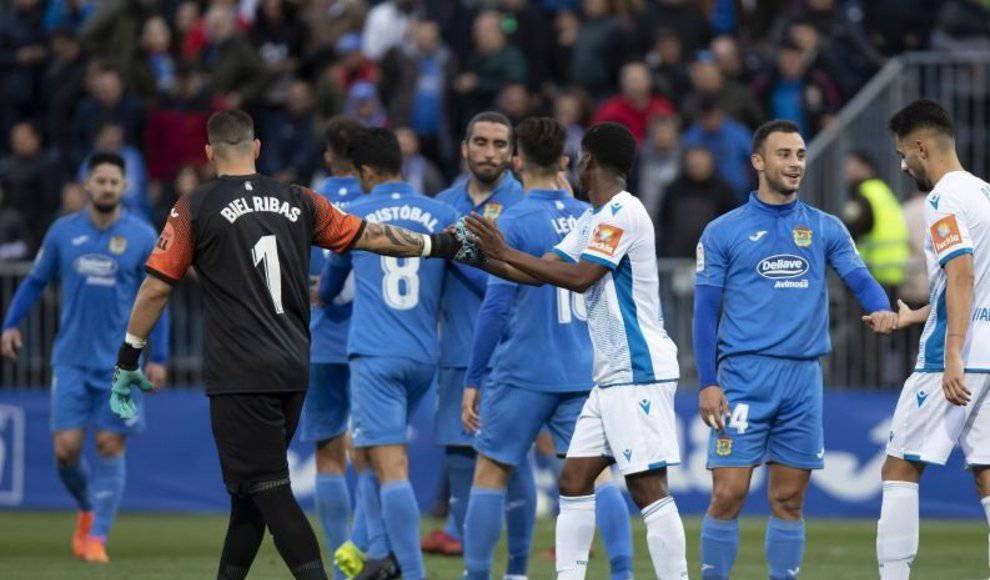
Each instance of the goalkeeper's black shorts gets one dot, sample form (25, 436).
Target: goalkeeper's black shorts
(252, 432)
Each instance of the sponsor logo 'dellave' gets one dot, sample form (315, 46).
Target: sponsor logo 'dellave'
(782, 266)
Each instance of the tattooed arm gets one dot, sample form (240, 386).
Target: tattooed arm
(402, 243)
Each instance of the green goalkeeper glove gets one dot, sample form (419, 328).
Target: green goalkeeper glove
(125, 375)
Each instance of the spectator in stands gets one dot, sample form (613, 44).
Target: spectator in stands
(708, 82)
(962, 25)
(292, 147)
(850, 71)
(113, 32)
(597, 50)
(352, 65)
(492, 65)
(514, 102)
(636, 104)
(897, 26)
(155, 71)
(67, 15)
(15, 237)
(693, 200)
(106, 101)
(23, 50)
(685, 18)
(386, 26)
(363, 104)
(796, 92)
(73, 198)
(566, 28)
(875, 220)
(30, 178)
(186, 180)
(572, 109)
(666, 62)
(728, 141)
(64, 88)
(659, 161)
(190, 35)
(237, 75)
(526, 27)
(279, 37)
(109, 138)
(417, 170)
(729, 58)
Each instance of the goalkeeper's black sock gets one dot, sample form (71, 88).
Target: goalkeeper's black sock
(244, 534)
(294, 538)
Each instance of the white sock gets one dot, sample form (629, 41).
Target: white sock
(986, 508)
(665, 538)
(514, 577)
(897, 530)
(575, 531)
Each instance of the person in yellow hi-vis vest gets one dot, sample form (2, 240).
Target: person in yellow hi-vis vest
(876, 222)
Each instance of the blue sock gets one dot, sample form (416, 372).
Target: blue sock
(107, 489)
(333, 505)
(785, 548)
(459, 463)
(482, 527)
(612, 519)
(719, 546)
(401, 514)
(450, 528)
(374, 526)
(520, 517)
(76, 478)
(359, 530)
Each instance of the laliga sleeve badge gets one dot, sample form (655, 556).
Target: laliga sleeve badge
(492, 210)
(723, 446)
(802, 236)
(118, 245)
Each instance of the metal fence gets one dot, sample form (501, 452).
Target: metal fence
(859, 358)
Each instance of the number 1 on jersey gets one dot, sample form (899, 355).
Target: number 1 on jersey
(266, 251)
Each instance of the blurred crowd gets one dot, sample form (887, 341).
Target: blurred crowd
(690, 78)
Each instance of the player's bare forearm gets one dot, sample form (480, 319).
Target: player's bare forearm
(148, 306)
(958, 302)
(510, 272)
(551, 269)
(390, 241)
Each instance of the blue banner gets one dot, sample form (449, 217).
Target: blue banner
(173, 465)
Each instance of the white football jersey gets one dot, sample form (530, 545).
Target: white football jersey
(957, 214)
(624, 315)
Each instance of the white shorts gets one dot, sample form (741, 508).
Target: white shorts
(633, 424)
(926, 427)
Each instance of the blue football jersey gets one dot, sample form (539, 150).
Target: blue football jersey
(328, 326)
(771, 262)
(397, 300)
(460, 301)
(99, 273)
(546, 345)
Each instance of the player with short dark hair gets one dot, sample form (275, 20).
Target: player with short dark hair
(249, 238)
(760, 328)
(96, 256)
(327, 406)
(609, 255)
(944, 401)
(392, 344)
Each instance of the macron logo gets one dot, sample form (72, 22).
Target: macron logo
(756, 237)
(615, 207)
(934, 200)
(921, 397)
(645, 405)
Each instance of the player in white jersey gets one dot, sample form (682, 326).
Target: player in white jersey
(628, 418)
(945, 401)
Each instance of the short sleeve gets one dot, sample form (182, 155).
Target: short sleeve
(711, 259)
(173, 251)
(947, 228)
(333, 229)
(569, 248)
(46, 262)
(613, 231)
(842, 253)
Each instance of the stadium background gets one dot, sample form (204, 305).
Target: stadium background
(691, 78)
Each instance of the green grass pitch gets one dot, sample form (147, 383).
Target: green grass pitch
(35, 546)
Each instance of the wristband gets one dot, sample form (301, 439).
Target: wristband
(128, 356)
(443, 245)
(427, 246)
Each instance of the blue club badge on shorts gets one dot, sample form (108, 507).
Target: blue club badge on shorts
(723, 446)
(802, 236)
(493, 210)
(118, 245)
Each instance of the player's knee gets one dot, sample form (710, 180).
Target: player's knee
(575, 483)
(787, 501)
(67, 453)
(491, 474)
(331, 456)
(727, 501)
(897, 469)
(647, 488)
(109, 444)
(390, 463)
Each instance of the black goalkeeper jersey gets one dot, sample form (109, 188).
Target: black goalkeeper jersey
(249, 239)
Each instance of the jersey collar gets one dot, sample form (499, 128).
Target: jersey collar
(504, 183)
(393, 188)
(771, 209)
(551, 194)
(89, 219)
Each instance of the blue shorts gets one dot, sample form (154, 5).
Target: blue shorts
(447, 428)
(81, 398)
(512, 417)
(328, 402)
(776, 413)
(387, 391)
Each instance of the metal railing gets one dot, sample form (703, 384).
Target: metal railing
(859, 358)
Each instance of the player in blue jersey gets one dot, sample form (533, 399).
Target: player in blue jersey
(97, 257)
(536, 341)
(489, 189)
(760, 328)
(392, 343)
(327, 406)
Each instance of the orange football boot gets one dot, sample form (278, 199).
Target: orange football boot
(96, 551)
(84, 523)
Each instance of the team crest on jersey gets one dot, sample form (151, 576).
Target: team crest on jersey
(605, 239)
(802, 236)
(493, 210)
(118, 245)
(945, 234)
(723, 446)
